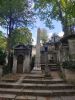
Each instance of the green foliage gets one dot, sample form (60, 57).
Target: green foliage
(62, 10)
(69, 65)
(3, 41)
(21, 35)
(15, 14)
(5, 70)
(2, 57)
(8, 68)
(43, 35)
(43, 10)
(62, 75)
(70, 6)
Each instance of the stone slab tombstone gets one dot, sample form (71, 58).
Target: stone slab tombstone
(72, 48)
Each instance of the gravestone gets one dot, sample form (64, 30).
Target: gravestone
(21, 59)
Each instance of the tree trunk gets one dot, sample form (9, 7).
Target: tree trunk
(9, 40)
(63, 20)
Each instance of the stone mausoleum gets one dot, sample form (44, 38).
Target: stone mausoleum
(52, 49)
(68, 48)
(58, 50)
(22, 58)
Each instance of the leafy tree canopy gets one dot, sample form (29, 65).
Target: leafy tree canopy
(3, 41)
(19, 12)
(43, 35)
(62, 10)
(15, 14)
(21, 35)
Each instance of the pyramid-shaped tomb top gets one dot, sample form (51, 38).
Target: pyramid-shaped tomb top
(22, 49)
(22, 46)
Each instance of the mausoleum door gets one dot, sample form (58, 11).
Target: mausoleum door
(20, 60)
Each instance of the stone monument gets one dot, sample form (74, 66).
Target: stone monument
(37, 59)
(21, 59)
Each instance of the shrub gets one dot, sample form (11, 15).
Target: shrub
(2, 57)
(58, 64)
(69, 65)
(6, 70)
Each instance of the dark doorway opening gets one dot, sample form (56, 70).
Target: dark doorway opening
(20, 60)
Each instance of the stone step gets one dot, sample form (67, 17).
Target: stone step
(37, 81)
(8, 80)
(23, 92)
(7, 96)
(34, 76)
(10, 91)
(15, 97)
(48, 92)
(37, 86)
(54, 69)
(26, 98)
(43, 81)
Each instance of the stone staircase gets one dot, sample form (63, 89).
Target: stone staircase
(36, 86)
(54, 67)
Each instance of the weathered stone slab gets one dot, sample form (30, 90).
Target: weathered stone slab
(43, 80)
(39, 86)
(7, 96)
(68, 98)
(42, 98)
(71, 46)
(10, 91)
(55, 98)
(25, 98)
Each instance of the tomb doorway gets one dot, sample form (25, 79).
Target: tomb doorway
(20, 60)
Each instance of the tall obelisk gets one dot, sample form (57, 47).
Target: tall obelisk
(37, 59)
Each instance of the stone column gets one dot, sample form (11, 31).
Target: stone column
(14, 70)
(37, 59)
